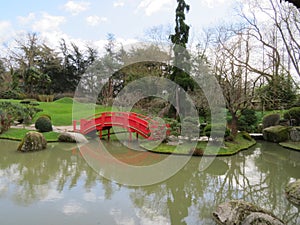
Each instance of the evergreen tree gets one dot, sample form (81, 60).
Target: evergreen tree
(180, 71)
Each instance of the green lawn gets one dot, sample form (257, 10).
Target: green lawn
(61, 111)
(17, 134)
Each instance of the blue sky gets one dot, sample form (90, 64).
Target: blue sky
(90, 21)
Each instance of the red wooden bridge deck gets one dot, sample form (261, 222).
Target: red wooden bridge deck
(132, 122)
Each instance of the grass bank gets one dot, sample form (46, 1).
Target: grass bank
(291, 145)
(16, 134)
(241, 142)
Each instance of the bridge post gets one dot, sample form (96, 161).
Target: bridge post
(108, 133)
(100, 134)
(130, 136)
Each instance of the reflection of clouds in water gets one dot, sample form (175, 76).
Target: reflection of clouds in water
(149, 216)
(72, 208)
(3, 187)
(53, 195)
(144, 216)
(120, 218)
(92, 197)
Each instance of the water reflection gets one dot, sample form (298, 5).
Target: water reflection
(59, 182)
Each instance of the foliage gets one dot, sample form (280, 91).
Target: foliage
(279, 92)
(271, 120)
(293, 114)
(10, 94)
(248, 120)
(43, 124)
(174, 126)
(10, 112)
(219, 130)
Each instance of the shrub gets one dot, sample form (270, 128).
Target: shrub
(10, 94)
(43, 124)
(271, 120)
(219, 130)
(247, 121)
(293, 114)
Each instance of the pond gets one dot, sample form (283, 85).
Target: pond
(59, 186)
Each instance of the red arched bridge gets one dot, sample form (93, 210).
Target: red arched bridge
(142, 125)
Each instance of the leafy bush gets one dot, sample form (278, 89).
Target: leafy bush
(293, 114)
(11, 112)
(271, 120)
(247, 121)
(10, 94)
(174, 126)
(43, 124)
(218, 130)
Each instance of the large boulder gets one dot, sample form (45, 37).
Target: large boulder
(243, 213)
(33, 141)
(295, 134)
(276, 134)
(72, 137)
(292, 191)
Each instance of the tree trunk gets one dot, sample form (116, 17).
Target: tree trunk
(234, 124)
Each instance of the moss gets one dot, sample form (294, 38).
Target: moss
(276, 134)
(291, 145)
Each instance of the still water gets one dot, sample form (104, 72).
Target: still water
(58, 186)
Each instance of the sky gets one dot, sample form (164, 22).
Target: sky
(90, 21)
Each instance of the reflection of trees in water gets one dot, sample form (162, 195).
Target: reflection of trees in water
(188, 197)
(252, 175)
(33, 175)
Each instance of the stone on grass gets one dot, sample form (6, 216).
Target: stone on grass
(243, 213)
(33, 141)
(72, 137)
(276, 134)
(292, 191)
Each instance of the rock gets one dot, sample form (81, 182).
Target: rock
(243, 213)
(33, 141)
(276, 134)
(172, 138)
(292, 191)
(295, 134)
(72, 137)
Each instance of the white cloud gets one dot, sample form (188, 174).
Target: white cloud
(213, 3)
(152, 6)
(48, 23)
(26, 19)
(76, 7)
(118, 4)
(6, 31)
(95, 20)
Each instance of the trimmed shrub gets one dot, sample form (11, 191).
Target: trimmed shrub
(219, 129)
(43, 124)
(247, 121)
(271, 120)
(293, 114)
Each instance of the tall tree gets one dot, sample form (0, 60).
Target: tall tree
(181, 68)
